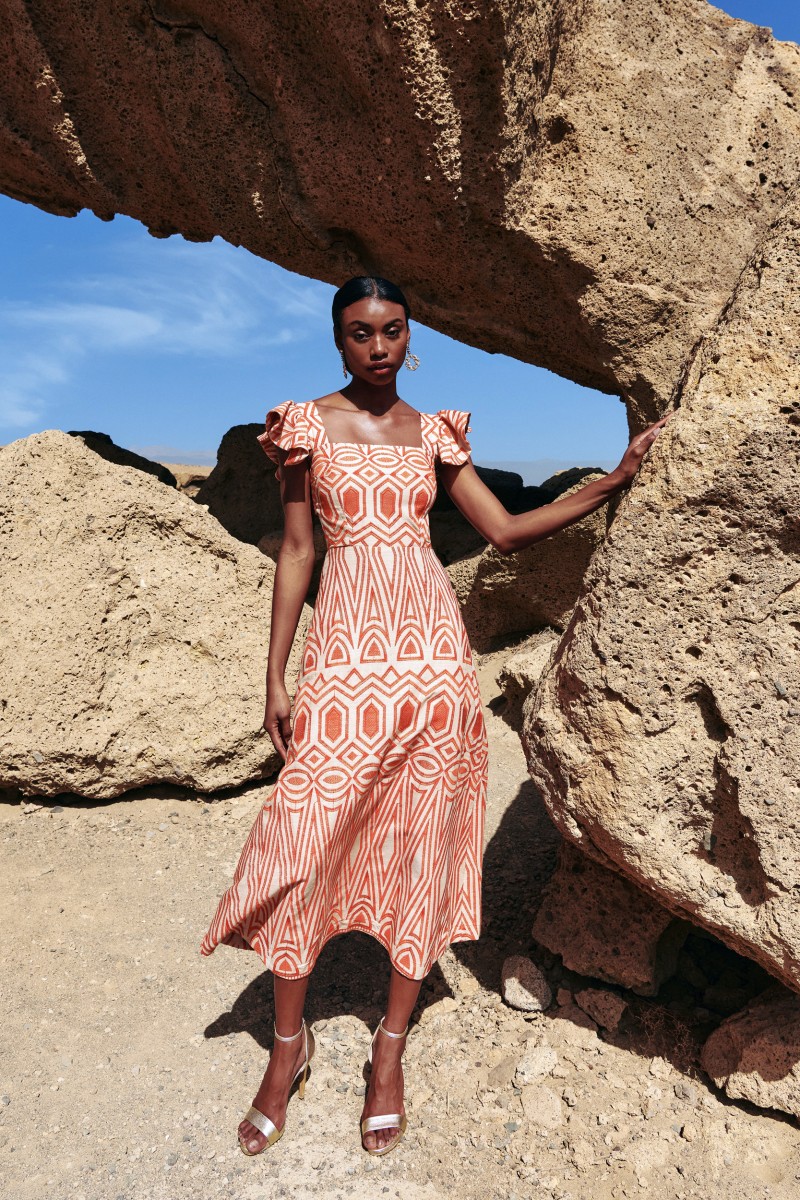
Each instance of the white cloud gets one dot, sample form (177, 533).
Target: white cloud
(155, 298)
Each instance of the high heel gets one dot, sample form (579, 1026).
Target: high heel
(384, 1120)
(262, 1122)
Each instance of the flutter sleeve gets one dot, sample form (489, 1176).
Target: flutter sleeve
(287, 427)
(452, 435)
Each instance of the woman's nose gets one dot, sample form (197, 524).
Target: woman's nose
(378, 348)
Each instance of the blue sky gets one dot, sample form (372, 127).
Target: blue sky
(164, 344)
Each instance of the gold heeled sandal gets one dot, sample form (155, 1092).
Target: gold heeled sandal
(258, 1119)
(384, 1120)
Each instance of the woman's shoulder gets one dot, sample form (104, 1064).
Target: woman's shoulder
(288, 427)
(452, 426)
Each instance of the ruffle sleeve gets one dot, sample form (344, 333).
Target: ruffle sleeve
(452, 435)
(287, 427)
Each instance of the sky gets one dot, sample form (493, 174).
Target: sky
(165, 344)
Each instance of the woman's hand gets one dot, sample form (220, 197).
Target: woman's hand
(632, 458)
(277, 719)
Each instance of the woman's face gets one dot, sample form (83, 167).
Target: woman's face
(374, 336)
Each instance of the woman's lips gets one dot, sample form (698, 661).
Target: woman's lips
(381, 370)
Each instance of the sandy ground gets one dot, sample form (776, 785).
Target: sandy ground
(128, 1060)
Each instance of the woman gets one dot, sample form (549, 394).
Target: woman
(376, 821)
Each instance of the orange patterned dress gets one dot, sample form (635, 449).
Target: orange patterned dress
(376, 820)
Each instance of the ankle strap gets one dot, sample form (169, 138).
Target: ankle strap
(294, 1036)
(388, 1032)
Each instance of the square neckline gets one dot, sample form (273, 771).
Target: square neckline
(376, 445)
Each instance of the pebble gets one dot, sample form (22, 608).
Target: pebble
(536, 1063)
(542, 1107)
(604, 1007)
(685, 1091)
(524, 986)
(5, 1101)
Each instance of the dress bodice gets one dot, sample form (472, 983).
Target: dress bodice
(368, 494)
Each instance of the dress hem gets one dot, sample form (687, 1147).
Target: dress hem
(351, 927)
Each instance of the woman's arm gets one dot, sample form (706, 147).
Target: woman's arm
(509, 532)
(292, 578)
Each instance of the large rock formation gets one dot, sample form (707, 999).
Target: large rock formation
(666, 737)
(133, 645)
(577, 183)
(535, 588)
(242, 491)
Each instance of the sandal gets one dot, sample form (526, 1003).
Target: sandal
(384, 1120)
(262, 1122)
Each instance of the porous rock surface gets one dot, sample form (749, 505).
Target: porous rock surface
(604, 926)
(574, 184)
(135, 649)
(242, 491)
(666, 735)
(108, 449)
(755, 1055)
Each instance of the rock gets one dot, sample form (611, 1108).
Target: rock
(242, 491)
(537, 1063)
(521, 672)
(755, 1055)
(603, 926)
(564, 481)
(147, 625)
(524, 985)
(542, 1107)
(102, 444)
(503, 594)
(502, 1074)
(189, 479)
(452, 536)
(664, 767)
(543, 205)
(606, 1008)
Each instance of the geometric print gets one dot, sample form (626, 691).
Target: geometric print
(376, 820)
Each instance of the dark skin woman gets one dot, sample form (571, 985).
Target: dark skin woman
(373, 338)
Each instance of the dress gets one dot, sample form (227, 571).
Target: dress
(376, 820)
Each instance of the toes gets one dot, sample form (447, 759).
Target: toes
(250, 1137)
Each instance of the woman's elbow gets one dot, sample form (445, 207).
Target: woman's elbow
(502, 539)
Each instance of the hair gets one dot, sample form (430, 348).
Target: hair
(362, 286)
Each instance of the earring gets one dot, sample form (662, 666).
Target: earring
(412, 362)
(344, 363)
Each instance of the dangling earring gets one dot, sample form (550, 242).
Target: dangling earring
(344, 363)
(412, 362)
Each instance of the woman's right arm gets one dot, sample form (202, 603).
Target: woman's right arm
(292, 578)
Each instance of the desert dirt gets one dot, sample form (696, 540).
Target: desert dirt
(129, 1060)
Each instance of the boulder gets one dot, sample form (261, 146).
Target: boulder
(665, 737)
(521, 672)
(603, 926)
(189, 479)
(755, 1055)
(102, 444)
(576, 185)
(242, 491)
(524, 986)
(134, 645)
(505, 594)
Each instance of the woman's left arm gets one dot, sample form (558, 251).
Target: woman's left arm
(509, 532)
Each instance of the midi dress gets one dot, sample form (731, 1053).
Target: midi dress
(376, 820)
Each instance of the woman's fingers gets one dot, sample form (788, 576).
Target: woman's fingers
(280, 731)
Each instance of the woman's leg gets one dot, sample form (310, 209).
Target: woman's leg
(285, 1060)
(385, 1092)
